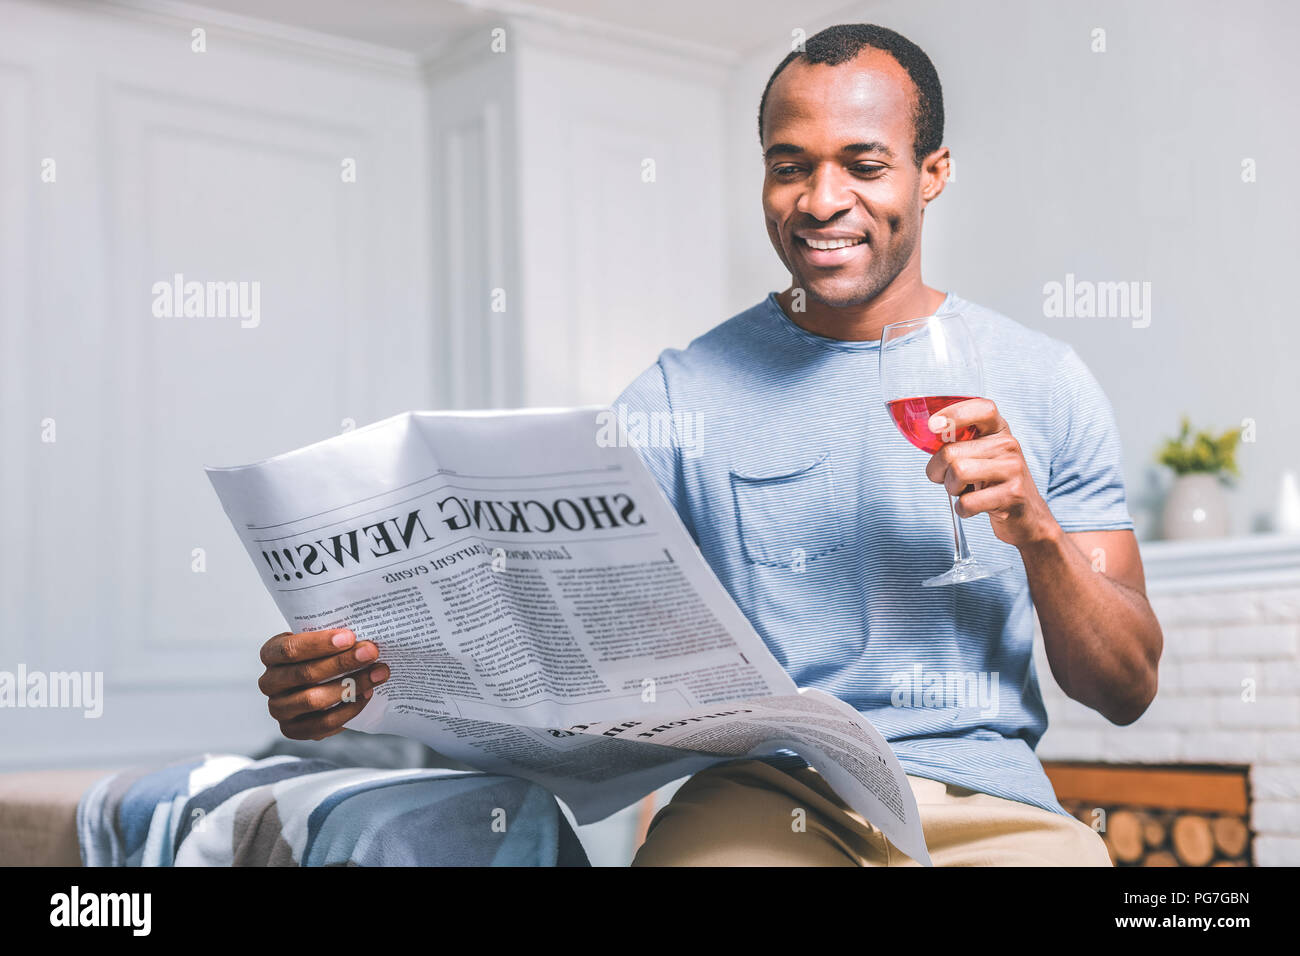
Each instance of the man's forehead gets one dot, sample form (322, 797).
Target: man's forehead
(871, 94)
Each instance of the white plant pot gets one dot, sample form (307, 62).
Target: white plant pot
(1197, 507)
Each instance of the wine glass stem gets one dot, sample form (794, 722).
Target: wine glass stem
(960, 551)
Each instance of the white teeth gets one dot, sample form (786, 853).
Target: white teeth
(832, 243)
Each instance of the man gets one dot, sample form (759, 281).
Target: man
(813, 511)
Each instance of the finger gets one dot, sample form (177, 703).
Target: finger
(984, 472)
(289, 648)
(310, 700)
(321, 725)
(978, 413)
(284, 677)
(994, 446)
(313, 700)
(982, 500)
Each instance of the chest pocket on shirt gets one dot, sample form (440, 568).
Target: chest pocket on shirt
(790, 516)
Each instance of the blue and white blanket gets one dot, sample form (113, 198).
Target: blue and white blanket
(228, 810)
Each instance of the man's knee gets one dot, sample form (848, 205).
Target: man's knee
(741, 816)
(1092, 848)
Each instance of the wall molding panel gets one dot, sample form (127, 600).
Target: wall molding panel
(225, 166)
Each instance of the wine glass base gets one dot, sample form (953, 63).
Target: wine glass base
(963, 571)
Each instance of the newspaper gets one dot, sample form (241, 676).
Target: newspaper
(542, 609)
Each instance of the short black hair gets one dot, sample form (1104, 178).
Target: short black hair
(841, 43)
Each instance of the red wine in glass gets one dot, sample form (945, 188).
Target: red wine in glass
(912, 416)
(926, 365)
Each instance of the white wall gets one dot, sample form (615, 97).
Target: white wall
(223, 165)
(473, 181)
(541, 196)
(615, 268)
(1114, 166)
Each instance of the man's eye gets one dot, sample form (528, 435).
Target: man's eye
(785, 170)
(867, 170)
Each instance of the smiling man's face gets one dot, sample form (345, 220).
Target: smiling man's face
(841, 189)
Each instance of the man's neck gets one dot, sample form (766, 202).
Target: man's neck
(863, 323)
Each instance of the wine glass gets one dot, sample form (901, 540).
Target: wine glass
(926, 365)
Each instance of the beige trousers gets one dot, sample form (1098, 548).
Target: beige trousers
(745, 814)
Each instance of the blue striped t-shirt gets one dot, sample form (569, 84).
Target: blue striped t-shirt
(818, 518)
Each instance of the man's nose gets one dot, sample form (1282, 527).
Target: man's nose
(827, 194)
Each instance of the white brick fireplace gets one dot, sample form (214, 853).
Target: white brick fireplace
(1229, 680)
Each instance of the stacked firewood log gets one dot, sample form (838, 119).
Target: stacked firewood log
(1146, 837)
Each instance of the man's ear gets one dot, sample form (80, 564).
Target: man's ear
(935, 170)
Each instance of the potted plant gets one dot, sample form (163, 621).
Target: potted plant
(1197, 506)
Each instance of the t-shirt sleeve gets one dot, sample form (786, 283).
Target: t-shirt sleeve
(647, 398)
(1086, 489)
